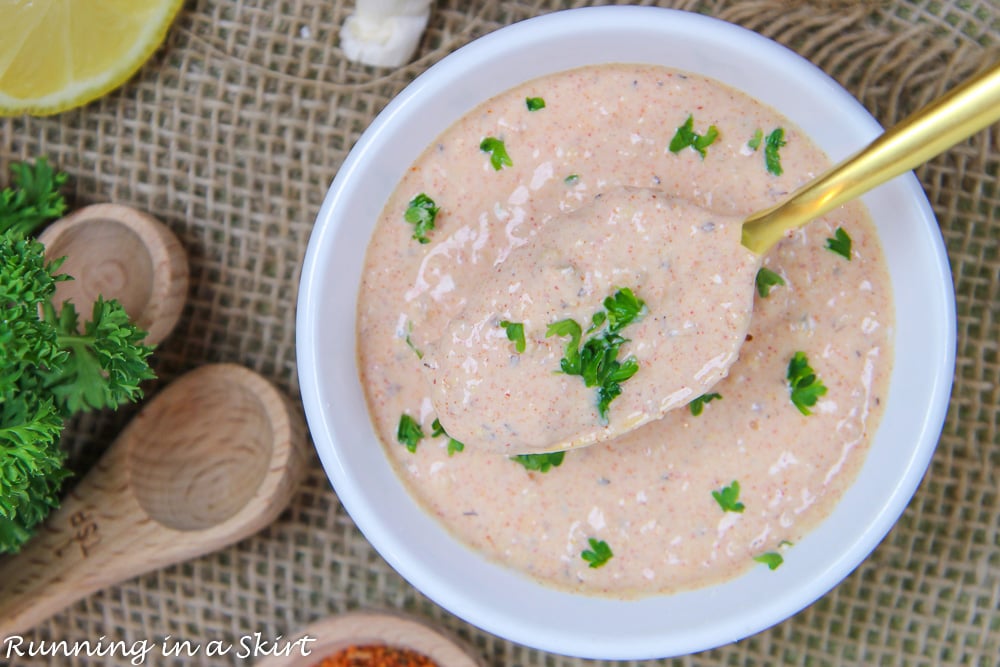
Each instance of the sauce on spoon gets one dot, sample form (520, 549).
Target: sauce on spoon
(611, 315)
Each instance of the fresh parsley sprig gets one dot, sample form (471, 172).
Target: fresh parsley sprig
(421, 212)
(804, 386)
(728, 498)
(598, 554)
(840, 243)
(454, 446)
(685, 137)
(540, 462)
(409, 433)
(534, 103)
(766, 279)
(772, 159)
(49, 369)
(515, 334)
(698, 404)
(596, 361)
(498, 153)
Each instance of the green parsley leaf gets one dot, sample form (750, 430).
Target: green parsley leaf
(421, 213)
(534, 103)
(698, 404)
(498, 152)
(772, 559)
(597, 360)
(540, 462)
(755, 140)
(598, 554)
(33, 199)
(409, 433)
(766, 279)
(805, 388)
(772, 144)
(728, 498)
(571, 179)
(623, 308)
(453, 444)
(515, 333)
(686, 137)
(840, 243)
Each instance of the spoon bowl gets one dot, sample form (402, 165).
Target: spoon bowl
(211, 459)
(121, 253)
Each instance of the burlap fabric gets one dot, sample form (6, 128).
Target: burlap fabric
(232, 133)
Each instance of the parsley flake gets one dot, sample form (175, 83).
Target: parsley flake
(840, 243)
(534, 103)
(728, 498)
(804, 387)
(453, 444)
(755, 140)
(598, 554)
(597, 360)
(698, 404)
(540, 462)
(571, 179)
(772, 559)
(515, 334)
(766, 279)
(409, 432)
(498, 152)
(772, 144)
(421, 213)
(686, 137)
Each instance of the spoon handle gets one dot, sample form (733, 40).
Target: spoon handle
(960, 113)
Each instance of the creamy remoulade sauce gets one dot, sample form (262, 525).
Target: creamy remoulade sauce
(649, 494)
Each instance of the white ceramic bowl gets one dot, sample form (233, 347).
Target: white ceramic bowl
(504, 602)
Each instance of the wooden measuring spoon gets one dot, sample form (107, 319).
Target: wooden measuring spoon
(327, 637)
(211, 459)
(120, 253)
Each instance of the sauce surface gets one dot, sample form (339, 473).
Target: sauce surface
(662, 498)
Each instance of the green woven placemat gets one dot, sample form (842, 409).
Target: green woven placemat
(231, 135)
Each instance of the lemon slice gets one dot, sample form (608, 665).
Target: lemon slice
(59, 54)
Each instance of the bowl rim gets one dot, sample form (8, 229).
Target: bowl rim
(432, 579)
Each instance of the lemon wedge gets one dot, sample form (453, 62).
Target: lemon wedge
(60, 54)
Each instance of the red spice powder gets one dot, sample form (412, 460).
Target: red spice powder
(376, 655)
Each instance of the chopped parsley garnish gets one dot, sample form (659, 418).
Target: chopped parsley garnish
(409, 432)
(515, 333)
(805, 388)
(686, 137)
(540, 462)
(597, 360)
(409, 341)
(755, 140)
(598, 554)
(498, 152)
(766, 279)
(840, 243)
(453, 444)
(772, 559)
(571, 179)
(698, 404)
(728, 498)
(772, 144)
(534, 103)
(421, 213)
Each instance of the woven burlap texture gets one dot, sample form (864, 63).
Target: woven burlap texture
(231, 135)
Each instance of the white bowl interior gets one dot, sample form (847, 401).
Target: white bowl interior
(503, 602)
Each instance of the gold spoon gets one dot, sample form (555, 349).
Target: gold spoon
(957, 115)
(211, 459)
(482, 409)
